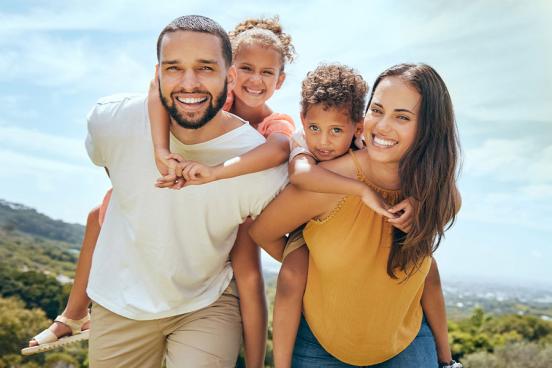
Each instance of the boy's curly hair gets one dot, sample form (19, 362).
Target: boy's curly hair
(265, 31)
(335, 85)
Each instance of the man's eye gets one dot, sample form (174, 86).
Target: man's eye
(206, 68)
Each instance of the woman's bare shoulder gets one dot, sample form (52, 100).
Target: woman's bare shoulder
(344, 165)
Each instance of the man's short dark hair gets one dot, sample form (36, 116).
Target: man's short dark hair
(198, 23)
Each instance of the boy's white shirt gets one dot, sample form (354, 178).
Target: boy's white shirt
(165, 252)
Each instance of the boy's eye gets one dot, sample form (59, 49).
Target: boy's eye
(314, 128)
(246, 68)
(268, 72)
(337, 130)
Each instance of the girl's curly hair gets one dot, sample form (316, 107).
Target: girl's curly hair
(265, 31)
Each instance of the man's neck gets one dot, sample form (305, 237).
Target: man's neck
(220, 124)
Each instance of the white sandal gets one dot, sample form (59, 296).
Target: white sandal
(47, 340)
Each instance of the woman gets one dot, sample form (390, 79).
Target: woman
(365, 280)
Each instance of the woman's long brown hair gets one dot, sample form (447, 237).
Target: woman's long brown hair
(428, 169)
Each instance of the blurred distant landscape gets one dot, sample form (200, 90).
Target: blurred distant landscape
(492, 323)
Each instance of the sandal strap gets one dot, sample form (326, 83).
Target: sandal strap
(74, 325)
(45, 337)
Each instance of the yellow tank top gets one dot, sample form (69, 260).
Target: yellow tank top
(358, 313)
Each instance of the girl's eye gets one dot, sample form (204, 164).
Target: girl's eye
(246, 68)
(268, 72)
(313, 128)
(337, 130)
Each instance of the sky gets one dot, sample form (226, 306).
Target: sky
(495, 56)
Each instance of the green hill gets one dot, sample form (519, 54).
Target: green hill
(31, 241)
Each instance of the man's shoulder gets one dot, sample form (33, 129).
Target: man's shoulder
(129, 107)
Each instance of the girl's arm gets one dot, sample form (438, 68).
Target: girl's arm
(433, 304)
(160, 122)
(307, 175)
(273, 152)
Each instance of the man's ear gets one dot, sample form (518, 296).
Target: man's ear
(231, 77)
(281, 79)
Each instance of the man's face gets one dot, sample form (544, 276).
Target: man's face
(192, 77)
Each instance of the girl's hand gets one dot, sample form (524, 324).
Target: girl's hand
(195, 173)
(173, 179)
(374, 201)
(404, 213)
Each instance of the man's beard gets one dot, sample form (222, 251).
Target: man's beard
(213, 108)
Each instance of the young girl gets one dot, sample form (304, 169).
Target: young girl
(333, 98)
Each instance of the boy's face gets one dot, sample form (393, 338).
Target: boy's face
(329, 132)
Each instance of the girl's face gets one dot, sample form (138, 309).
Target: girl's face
(391, 122)
(258, 74)
(329, 132)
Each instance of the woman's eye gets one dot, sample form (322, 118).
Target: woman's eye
(403, 117)
(375, 110)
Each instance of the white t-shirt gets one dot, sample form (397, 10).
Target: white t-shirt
(165, 252)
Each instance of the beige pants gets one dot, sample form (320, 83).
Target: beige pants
(209, 337)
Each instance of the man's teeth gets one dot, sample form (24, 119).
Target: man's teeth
(384, 142)
(191, 100)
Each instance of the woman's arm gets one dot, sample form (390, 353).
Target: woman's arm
(433, 304)
(290, 209)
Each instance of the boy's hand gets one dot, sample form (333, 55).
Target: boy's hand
(374, 201)
(404, 212)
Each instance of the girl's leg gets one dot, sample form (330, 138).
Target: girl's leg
(287, 305)
(433, 303)
(246, 262)
(77, 305)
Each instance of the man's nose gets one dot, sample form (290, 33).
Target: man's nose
(189, 81)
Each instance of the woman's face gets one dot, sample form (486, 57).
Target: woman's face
(391, 122)
(259, 74)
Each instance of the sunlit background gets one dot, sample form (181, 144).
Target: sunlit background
(57, 58)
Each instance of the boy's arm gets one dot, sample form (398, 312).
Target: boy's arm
(305, 174)
(433, 304)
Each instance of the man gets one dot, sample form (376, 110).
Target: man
(160, 278)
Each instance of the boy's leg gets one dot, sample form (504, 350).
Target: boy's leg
(288, 304)
(246, 262)
(209, 337)
(117, 342)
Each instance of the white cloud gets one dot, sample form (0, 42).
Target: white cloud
(511, 160)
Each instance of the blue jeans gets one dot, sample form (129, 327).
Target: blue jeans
(308, 352)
